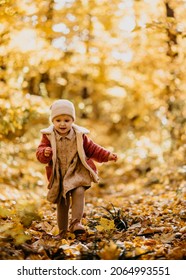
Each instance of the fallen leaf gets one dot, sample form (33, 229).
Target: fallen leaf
(167, 237)
(151, 230)
(105, 225)
(183, 230)
(150, 242)
(110, 252)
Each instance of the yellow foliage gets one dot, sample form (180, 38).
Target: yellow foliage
(4, 212)
(27, 212)
(105, 225)
(110, 252)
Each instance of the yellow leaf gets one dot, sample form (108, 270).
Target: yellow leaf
(105, 224)
(139, 251)
(110, 252)
(99, 228)
(5, 212)
(21, 238)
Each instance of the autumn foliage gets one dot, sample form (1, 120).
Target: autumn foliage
(122, 63)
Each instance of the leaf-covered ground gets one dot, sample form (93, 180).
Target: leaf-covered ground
(134, 213)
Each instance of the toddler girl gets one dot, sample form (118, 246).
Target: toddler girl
(69, 154)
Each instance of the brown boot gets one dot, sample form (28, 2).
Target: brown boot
(61, 235)
(76, 227)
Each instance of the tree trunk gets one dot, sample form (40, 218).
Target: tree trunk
(172, 90)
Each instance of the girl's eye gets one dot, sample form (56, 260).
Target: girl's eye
(66, 121)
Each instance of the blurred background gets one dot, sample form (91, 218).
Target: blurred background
(121, 62)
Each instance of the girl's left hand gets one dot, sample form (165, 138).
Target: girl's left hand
(113, 157)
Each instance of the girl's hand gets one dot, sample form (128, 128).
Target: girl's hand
(113, 157)
(47, 152)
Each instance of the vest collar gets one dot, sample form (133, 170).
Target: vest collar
(77, 128)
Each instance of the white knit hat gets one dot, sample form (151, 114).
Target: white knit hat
(62, 107)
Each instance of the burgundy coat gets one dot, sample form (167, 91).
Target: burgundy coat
(88, 151)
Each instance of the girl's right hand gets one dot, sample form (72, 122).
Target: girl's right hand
(47, 152)
(113, 157)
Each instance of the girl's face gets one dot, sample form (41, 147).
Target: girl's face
(63, 124)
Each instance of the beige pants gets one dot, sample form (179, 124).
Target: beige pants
(78, 201)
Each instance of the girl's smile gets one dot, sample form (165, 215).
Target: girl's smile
(63, 124)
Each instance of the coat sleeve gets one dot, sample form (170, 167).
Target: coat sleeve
(41, 148)
(94, 151)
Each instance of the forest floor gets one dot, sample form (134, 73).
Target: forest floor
(136, 213)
